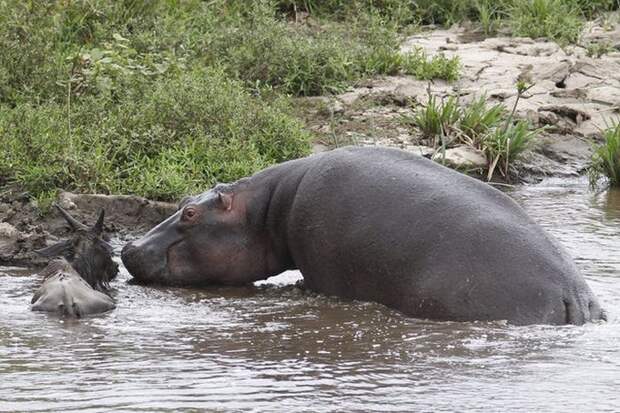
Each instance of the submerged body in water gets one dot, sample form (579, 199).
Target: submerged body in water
(74, 285)
(274, 347)
(373, 224)
(65, 292)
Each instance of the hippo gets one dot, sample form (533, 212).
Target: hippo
(75, 284)
(372, 224)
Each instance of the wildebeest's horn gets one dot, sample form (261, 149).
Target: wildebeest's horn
(74, 223)
(98, 227)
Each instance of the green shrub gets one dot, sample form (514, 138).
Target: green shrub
(503, 145)
(559, 20)
(438, 119)
(181, 136)
(606, 158)
(418, 64)
(266, 50)
(478, 119)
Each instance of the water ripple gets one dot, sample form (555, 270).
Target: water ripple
(274, 347)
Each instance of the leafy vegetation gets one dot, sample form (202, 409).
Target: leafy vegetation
(560, 20)
(163, 98)
(438, 120)
(490, 129)
(606, 158)
(179, 136)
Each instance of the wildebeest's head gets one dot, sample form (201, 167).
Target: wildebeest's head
(87, 251)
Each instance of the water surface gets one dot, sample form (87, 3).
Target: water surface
(274, 347)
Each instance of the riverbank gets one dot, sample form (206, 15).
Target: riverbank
(574, 97)
(126, 111)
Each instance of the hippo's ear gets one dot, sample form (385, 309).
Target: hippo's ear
(225, 200)
(55, 250)
(98, 227)
(183, 202)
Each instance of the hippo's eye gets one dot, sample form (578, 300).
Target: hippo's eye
(189, 213)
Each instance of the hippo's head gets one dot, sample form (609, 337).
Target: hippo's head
(87, 252)
(213, 238)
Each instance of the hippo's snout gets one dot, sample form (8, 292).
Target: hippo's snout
(131, 257)
(143, 264)
(128, 251)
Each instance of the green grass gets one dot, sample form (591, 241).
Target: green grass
(606, 159)
(161, 98)
(503, 145)
(437, 120)
(489, 128)
(178, 137)
(164, 98)
(478, 119)
(560, 20)
(599, 49)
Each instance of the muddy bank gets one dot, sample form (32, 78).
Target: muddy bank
(575, 96)
(23, 229)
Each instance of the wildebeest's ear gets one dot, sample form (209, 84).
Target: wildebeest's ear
(225, 200)
(98, 227)
(74, 223)
(55, 250)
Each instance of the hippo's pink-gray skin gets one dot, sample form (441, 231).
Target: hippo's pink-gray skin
(376, 225)
(71, 283)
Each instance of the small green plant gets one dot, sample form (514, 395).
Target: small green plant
(559, 20)
(437, 120)
(503, 145)
(418, 64)
(606, 159)
(599, 49)
(490, 129)
(506, 143)
(478, 119)
(44, 201)
(488, 15)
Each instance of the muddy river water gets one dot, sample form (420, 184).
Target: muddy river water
(274, 347)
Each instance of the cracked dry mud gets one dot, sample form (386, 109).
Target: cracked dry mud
(574, 96)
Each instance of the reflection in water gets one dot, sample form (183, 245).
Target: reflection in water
(612, 204)
(276, 347)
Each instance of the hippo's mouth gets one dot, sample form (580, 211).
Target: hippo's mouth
(143, 272)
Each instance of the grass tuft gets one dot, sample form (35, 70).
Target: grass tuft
(606, 159)
(490, 129)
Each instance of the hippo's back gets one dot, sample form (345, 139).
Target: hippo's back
(389, 226)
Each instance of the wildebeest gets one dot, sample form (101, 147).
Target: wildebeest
(74, 284)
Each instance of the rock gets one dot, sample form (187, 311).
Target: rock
(462, 157)
(575, 96)
(425, 151)
(123, 212)
(336, 107)
(9, 236)
(319, 147)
